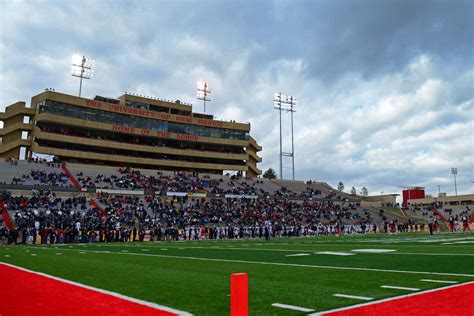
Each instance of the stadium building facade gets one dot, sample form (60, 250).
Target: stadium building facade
(131, 130)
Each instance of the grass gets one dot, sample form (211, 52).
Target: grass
(194, 276)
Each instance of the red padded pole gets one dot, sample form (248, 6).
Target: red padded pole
(239, 296)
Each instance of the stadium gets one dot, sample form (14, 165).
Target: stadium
(187, 230)
(139, 203)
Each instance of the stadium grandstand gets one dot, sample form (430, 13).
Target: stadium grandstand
(130, 130)
(50, 202)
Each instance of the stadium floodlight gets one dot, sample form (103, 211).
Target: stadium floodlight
(82, 68)
(454, 172)
(288, 104)
(203, 92)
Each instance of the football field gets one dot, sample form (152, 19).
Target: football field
(287, 276)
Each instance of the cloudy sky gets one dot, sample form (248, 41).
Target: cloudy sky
(385, 87)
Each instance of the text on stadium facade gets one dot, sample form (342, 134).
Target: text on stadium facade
(151, 114)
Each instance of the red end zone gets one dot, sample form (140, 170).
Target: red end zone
(24, 292)
(452, 300)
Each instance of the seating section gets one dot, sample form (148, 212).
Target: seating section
(117, 204)
(442, 211)
(33, 173)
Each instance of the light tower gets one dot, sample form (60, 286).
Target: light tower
(288, 104)
(82, 68)
(203, 92)
(454, 172)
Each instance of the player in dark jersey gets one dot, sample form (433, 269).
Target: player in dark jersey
(451, 224)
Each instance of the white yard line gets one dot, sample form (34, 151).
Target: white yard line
(312, 251)
(334, 253)
(447, 239)
(386, 299)
(373, 250)
(298, 255)
(121, 296)
(399, 288)
(439, 281)
(364, 298)
(293, 307)
(275, 263)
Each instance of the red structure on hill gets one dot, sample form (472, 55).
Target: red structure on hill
(413, 193)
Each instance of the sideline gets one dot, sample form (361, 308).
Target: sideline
(357, 306)
(114, 294)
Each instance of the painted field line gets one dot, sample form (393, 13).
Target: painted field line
(121, 296)
(277, 263)
(313, 250)
(387, 299)
(373, 250)
(364, 298)
(298, 255)
(294, 308)
(439, 281)
(399, 288)
(334, 253)
(446, 239)
(430, 254)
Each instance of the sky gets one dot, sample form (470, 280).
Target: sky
(385, 88)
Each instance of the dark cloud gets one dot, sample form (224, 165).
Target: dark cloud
(375, 37)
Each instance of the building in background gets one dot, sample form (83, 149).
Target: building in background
(131, 130)
(413, 193)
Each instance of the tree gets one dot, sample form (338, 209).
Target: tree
(353, 191)
(364, 191)
(270, 174)
(340, 186)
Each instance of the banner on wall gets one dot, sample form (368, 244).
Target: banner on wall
(175, 193)
(237, 196)
(124, 192)
(197, 195)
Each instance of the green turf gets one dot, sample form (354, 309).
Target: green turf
(194, 276)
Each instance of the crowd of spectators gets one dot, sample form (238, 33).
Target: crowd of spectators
(252, 212)
(45, 217)
(41, 177)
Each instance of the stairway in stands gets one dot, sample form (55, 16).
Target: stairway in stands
(441, 217)
(77, 185)
(6, 217)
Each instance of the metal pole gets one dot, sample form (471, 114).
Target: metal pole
(292, 142)
(80, 86)
(204, 102)
(82, 74)
(281, 145)
(455, 186)
(439, 189)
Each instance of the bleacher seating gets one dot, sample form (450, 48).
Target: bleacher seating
(124, 199)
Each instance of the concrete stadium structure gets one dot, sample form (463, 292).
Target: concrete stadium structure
(131, 130)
